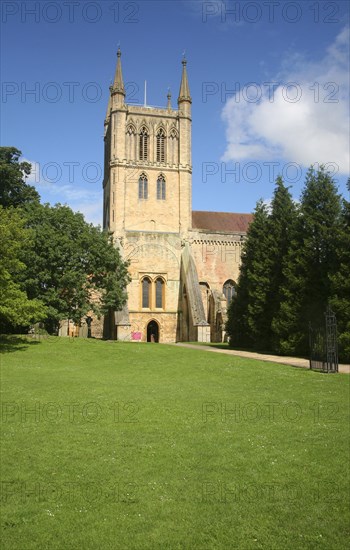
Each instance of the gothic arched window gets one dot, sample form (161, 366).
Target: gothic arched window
(143, 152)
(146, 292)
(161, 145)
(159, 293)
(229, 290)
(130, 142)
(161, 188)
(173, 147)
(143, 187)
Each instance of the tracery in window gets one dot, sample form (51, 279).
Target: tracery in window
(173, 147)
(143, 143)
(131, 142)
(229, 290)
(143, 187)
(161, 188)
(161, 145)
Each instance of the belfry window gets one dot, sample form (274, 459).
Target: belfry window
(161, 188)
(159, 293)
(146, 292)
(229, 290)
(143, 152)
(161, 146)
(143, 187)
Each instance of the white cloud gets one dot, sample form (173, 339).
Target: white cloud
(306, 123)
(80, 199)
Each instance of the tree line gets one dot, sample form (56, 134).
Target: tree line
(295, 262)
(54, 265)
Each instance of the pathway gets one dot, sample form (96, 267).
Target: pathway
(293, 361)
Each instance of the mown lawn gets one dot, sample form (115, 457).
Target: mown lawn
(143, 446)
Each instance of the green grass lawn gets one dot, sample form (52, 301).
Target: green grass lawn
(143, 446)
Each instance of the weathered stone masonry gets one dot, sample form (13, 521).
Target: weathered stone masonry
(183, 264)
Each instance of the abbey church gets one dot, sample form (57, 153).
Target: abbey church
(183, 264)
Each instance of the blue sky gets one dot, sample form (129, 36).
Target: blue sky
(269, 83)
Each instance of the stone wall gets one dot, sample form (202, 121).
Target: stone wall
(217, 256)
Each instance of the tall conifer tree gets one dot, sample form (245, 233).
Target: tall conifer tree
(246, 313)
(310, 264)
(282, 225)
(340, 282)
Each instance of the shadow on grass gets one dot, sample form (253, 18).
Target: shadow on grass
(13, 342)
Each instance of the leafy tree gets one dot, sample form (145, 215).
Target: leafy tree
(57, 258)
(15, 307)
(310, 264)
(13, 189)
(73, 267)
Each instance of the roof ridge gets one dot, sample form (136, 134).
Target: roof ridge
(224, 212)
(225, 222)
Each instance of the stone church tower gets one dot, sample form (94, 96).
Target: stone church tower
(183, 264)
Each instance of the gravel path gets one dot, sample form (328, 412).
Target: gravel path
(293, 361)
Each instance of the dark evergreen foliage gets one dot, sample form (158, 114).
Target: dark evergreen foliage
(246, 311)
(295, 261)
(340, 283)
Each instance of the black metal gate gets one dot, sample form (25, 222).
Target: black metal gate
(324, 344)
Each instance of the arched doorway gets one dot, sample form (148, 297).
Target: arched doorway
(152, 332)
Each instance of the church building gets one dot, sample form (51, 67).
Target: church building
(183, 264)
